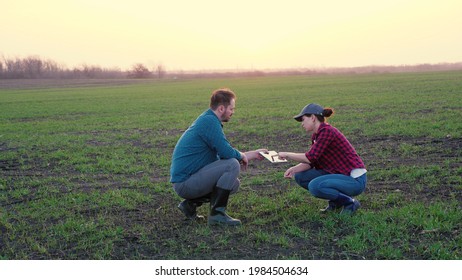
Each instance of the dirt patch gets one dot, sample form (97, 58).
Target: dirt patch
(407, 152)
(9, 165)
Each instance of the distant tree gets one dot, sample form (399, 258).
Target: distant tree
(139, 71)
(32, 67)
(13, 68)
(160, 71)
(91, 71)
(51, 69)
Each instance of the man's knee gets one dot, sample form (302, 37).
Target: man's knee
(236, 186)
(234, 164)
(233, 167)
(229, 178)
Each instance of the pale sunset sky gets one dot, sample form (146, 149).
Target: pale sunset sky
(233, 34)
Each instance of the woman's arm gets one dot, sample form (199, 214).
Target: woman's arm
(296, 169)
(299, 157)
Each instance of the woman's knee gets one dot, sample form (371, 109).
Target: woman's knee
(314, 189)
(299, 179)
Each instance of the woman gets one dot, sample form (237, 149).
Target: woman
(331, 169)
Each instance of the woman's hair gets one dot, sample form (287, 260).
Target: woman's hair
(222, 96)
(326, 113)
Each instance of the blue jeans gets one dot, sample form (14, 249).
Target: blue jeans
(324, 185)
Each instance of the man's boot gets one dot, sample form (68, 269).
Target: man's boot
(218, 203)
(201, 200)
(189, 207)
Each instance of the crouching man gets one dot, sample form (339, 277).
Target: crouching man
(205, 167)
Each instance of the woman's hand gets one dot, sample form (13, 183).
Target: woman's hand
(290, 173)
(282, 155)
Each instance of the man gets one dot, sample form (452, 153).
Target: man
(205, 167)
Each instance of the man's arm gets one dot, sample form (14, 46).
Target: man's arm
(251, 155)
(212, 133)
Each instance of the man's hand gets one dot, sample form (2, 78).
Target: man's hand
(251, 155)
(244, 161)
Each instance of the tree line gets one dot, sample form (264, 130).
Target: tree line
(34, 67)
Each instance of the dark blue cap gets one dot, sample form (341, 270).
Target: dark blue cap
(310, 109)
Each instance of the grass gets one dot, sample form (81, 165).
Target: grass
(84, 171)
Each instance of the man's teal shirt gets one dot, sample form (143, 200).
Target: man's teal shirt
(201, 144)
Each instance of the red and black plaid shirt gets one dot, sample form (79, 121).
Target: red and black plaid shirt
(332, 152)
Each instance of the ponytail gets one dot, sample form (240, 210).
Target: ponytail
(326, 113)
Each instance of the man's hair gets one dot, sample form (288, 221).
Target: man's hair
(222, 96)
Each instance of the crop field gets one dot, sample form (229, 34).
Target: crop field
(84, 169)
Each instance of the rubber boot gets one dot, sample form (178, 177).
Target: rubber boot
(218, 203)
(349, 204)
(189, 207)
(201, 200)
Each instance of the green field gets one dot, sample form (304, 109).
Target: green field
(84, 170)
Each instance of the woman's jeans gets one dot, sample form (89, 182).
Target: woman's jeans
(324, 185)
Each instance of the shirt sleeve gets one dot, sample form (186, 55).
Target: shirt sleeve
(215, 138)
(324, 138)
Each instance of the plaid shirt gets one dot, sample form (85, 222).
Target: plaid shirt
(332, 152)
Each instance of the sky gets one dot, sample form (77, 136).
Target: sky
(236, 35)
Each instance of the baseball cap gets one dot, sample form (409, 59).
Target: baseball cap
(310, 109)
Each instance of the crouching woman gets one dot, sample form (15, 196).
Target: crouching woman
(331, 169)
